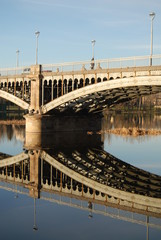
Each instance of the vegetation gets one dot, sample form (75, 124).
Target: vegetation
(133, 131)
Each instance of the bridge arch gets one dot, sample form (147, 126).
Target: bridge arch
(105, 189)
(15, 159)
(9, 97)
(130, 82)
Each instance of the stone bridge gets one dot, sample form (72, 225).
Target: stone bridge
(78, 86)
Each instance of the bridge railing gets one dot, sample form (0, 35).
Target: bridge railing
(14, 71)
(139, 61)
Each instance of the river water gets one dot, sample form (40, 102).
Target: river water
(60, 220)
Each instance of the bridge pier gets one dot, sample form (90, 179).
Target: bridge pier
(41, 130)
(35, 180)
(36, 89)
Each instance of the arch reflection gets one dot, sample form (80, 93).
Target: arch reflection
(79, 173)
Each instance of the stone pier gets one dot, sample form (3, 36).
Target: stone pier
(34, 186)
(36, 89)
(46, 130)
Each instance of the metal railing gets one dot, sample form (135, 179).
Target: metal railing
(136, 61)
(14, 71)
(139, 61)
(108, 211)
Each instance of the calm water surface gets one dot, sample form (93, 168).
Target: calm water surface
(60, 221)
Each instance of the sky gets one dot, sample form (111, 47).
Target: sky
(121, 28)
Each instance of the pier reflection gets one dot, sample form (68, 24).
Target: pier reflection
(74, 170)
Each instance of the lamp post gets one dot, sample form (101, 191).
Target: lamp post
(37, 33)
(92, 63)
(152, 16)
(93, 43)
(17, 60)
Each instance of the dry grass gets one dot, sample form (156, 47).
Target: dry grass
(10, 122)
(134, 131)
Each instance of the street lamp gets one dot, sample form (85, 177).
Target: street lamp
(17, 60)
(92, 63)
(93, 43)
(152, 16)
(37, 33)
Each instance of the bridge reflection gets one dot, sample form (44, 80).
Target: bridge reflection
(81, 174)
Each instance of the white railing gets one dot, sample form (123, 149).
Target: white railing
(139, 61)
(14, 71)
(136, 61)
(108, 211)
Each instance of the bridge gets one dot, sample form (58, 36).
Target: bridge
(89, 86)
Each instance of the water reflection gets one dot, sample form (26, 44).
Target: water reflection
(83, 172)
(12, 131)
(74, 170)
(147, 120)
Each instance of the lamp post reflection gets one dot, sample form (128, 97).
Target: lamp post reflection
(90, 206)
(35, 228)
(16, 194)
(147, 230)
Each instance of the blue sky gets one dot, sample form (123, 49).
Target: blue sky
(121, 28)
